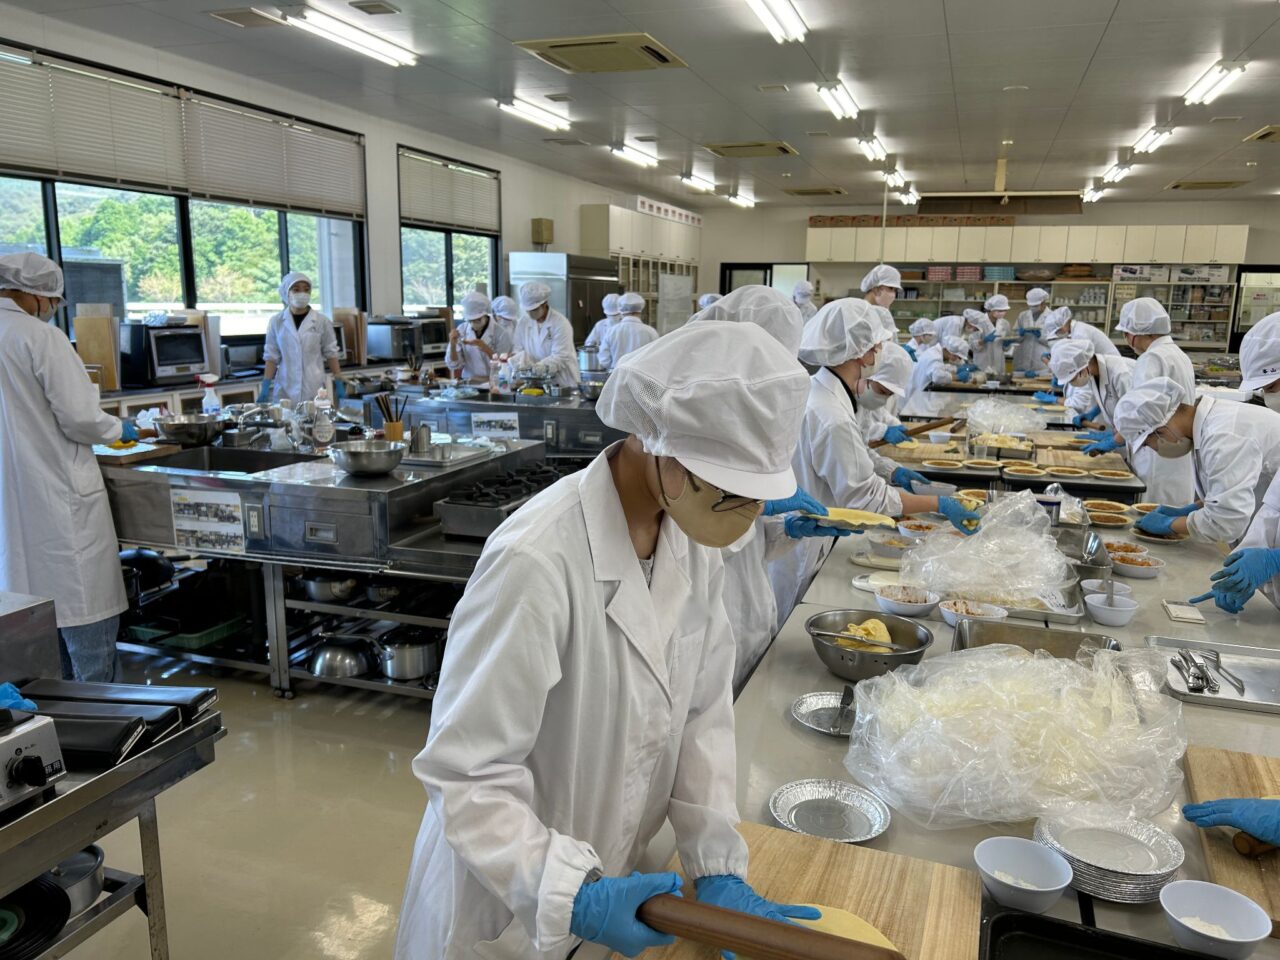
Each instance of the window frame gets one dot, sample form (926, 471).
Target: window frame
(495, 241)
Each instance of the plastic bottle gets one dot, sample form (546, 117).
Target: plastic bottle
(211, 403)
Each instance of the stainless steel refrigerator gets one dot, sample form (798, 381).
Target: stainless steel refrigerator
(578, 284)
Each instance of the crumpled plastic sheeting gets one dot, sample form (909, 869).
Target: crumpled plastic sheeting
(1013, 558)
(996, 734)
(991, 415)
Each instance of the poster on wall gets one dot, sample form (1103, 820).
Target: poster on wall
(496, 426)
(207, 520)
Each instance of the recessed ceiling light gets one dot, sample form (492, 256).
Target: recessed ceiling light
(1006, 143)
(1215, 81)
(1251, 163)
(786, 175)
(1015, 86)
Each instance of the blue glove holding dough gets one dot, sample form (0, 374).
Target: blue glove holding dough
(1103, 446)
(1258, 818)
(896, 434)
(964, 373)
(1079, 419)
(734, 893)
(902, 477)
(989, 338)
(1161, 524)
(1045, 396)
(605, 911)
(959, 515)
(801, 501)
(798, 527)
(1186, 511)
(128, 431)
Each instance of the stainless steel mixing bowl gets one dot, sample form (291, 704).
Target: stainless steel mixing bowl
(367, 458)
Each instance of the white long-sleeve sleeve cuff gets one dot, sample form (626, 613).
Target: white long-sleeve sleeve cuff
(569, 861)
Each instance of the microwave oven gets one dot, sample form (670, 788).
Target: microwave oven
(400, 340)
(160, 356)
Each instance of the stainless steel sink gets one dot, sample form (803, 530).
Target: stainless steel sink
(229, 460)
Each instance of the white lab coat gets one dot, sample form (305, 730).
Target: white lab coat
(807, 308)
(918, 347)
(930, 370)
(949, 326)
(1168, 481)
(834, 464)
(628, 334)
(299, 353)
(1236, 456)
(57, 538)
(596, 338)
(548, 344)
(1102, 345)
(1264, 531)
(1114, 380)
(578, 709)
(989, 357)
(748, 595)
(1026, 354)
(472, 361)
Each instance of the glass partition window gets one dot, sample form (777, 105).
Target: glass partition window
(119, 247)
(423, 269)
(21, 216)
(472, 267)
(325, 250)
(236, 254)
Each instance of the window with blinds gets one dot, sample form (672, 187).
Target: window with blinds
(83, 123)
(438, 192)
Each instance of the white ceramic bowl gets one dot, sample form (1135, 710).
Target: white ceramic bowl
(907, 532)
(1246, 923)
(1100, 586)
(1149, 572)
(989, 612)
(886, 544)
(902, 608)
(1041, 874)
(939, 436)
(1134, 550)
(934, 489)
(1121, 611)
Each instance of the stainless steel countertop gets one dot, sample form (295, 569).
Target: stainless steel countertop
(936, 404)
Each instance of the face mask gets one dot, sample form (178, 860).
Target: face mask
(706, 514)
(1081, 379)
(884, 296)
(46, 314)
(299, 300)
(1272, 400)
(870, 397)
(1172, 449)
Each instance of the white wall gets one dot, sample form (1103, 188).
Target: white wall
(527, 191)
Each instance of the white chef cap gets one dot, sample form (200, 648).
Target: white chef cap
(973, 316)
(997, 302)
(924, 327)
(982, 322)
(631, 304)
(1260, 354)
(886, 320)
(505, 308)
(1037, 296)
(533, 294)
(842, 330)
(707, 299)
(289, 280)
(956, 346)
(724, 399)
(948, 326)
(769, 309)
(475, 305)
(882, 275)
(31, 273)
(802, 291)
(1053, 322)
(610, 304)
(1069, 357)
(1145, 316)
(1145, 409)
(894, 369)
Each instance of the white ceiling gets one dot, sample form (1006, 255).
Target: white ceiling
(928, 74)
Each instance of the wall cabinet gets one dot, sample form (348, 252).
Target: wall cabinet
(1230, 244)
(608, 230)
(997, 244)
(1139, 244)
(972, 244)
(1081, 242)
(1200, 243)
(1108, 247)
(1025, 247)
(1170, 243)
(1053, 245)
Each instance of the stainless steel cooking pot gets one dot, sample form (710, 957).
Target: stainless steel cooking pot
(191, 429)
(328, 587)
(409, 653)
(342, 655)
(589, 359)
(81, 877)
(591, 389)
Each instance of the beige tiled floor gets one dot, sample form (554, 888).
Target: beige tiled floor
(295, 843)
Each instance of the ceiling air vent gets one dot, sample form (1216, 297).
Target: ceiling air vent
(647, 138)
(374, 8)
(612, 53)
(559, 98)
(772, 88)
(246, 17)
(1206, 184)
(565, 141)
(1269, 134)
(816, 192)
(752, 148)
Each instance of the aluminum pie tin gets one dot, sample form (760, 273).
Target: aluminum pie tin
(1128, 861)
(818, 711)
(831, 809)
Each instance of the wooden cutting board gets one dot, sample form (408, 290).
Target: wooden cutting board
(1073, 458)
(134, 454)
(930, 911)
(1221, 774)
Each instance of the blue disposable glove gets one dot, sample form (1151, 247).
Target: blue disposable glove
(801, 500)
(605, 911)
(339, 390)
(1103, 446)
(1095, 435)
(911, 351)
(1186, 511)
(1248, 569)
(128, 431)
(1258, 818)
(896, 434)
(963, 374)
(1045, 396)
(956, 512)
(1079, 419)
(1225, 599)
(798, 527)
(1155, 522)
(264, 392)
(11, 699)
(989, 338)
(902, 477)
(734, 893)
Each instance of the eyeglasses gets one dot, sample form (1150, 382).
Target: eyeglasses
(727, 502)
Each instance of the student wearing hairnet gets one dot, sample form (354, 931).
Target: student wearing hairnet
(543, 339)
(507, 314)
(1260, 362)
(832, 460)
(997, 310)
(1059, 324)
(596, 338)
(984, 342)
(707, 299)
(1097, 383)
(476, 341)
(58, 537)
(1027, 353)
(948, 325)
(300, 343)
(940, 364)
(923, 335)
(630, 332)
(803, 297)
(585, 695)
(881, 286)
(748, 596)
(877, 411)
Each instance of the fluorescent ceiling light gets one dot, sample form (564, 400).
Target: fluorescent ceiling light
(739, 200)
(909, 197)
(527, 111)
(1092, 194)
(350, 36)
(1117, 173)
(15, 58)
(638, 157)
(1215, 81)
(1153, 140)
(838, 100)
(872, 149)
(780, 19)
(894, 179)
(698, 183)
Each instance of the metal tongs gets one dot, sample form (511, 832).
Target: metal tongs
(1215, 660)
(1198, 671)
(1194, 682)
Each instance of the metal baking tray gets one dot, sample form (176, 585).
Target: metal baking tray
(1015, 935)
(1258, 667)
(1059, 643)
(1073, 614)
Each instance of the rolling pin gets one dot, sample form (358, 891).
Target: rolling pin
(920, 428)
(751, 936)
(1250, 846)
